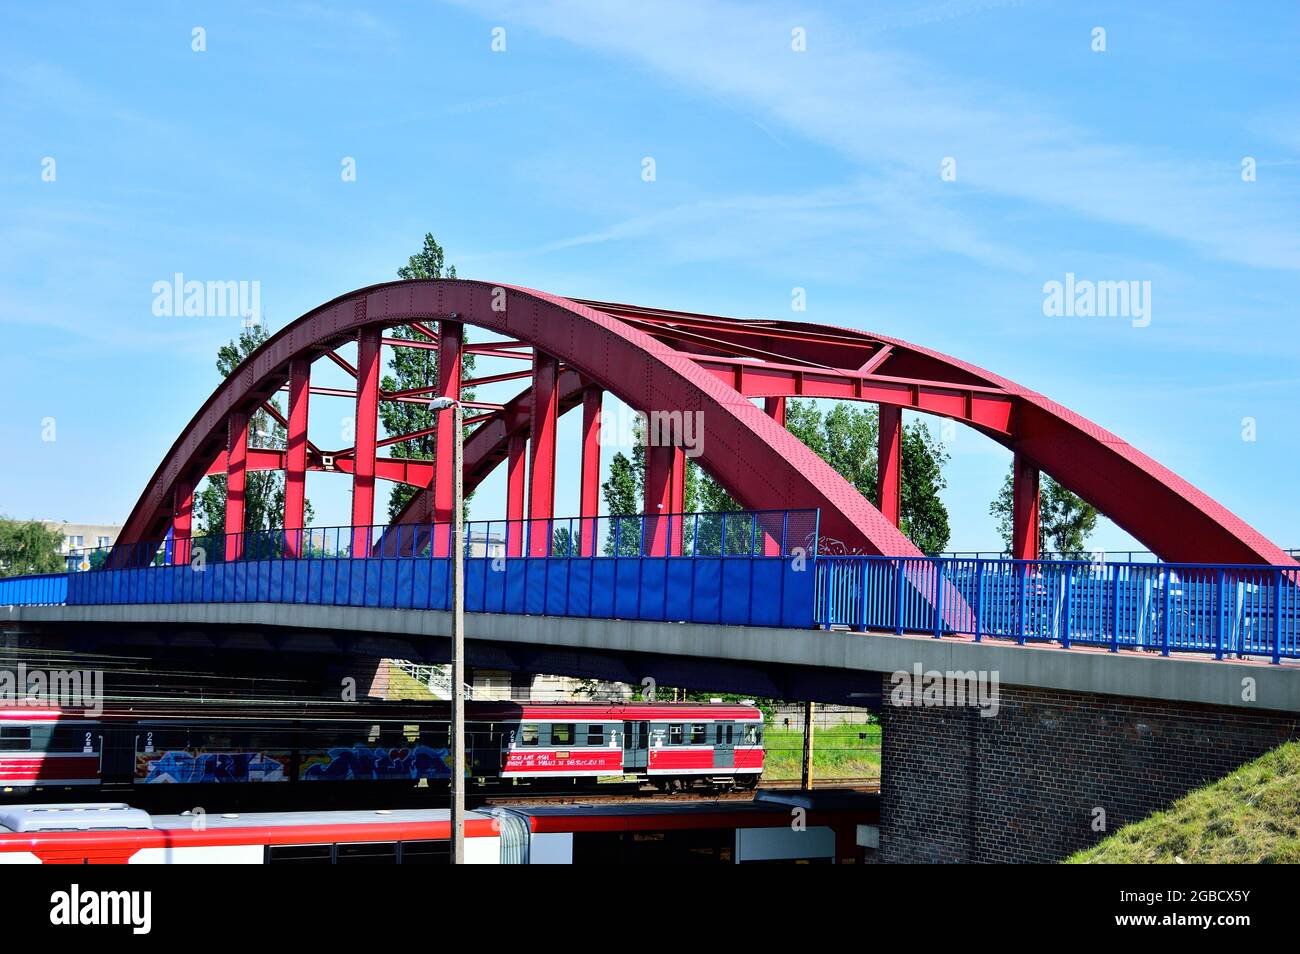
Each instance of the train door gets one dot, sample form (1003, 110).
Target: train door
(636, 737)
(724, 745)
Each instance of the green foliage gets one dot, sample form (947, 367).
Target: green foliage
(416, 368)
(29, 547)
(264, 490)
(1065, 520)
(847, 438)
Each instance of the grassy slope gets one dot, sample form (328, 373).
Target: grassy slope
(1252, 816)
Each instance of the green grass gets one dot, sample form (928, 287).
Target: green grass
(1250, 817)
(838, 752)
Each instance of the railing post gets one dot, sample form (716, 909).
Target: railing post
(898, 598)
(1020, 612)
(1114, 608)
(1065, 610)
(1218, 616)
(864, 564)
(938, 599)
(1165, 611)
(979, 599)
(1277, 617)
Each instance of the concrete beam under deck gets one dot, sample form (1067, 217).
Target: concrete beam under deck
(848, 656)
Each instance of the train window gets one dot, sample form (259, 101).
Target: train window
(426, 852)
(299, 854)
(595, 734)
(367, 853)
(15, 738)
(528, 735)
(729, 735)
(717, 734)
(699, 734)
(751, 735)
(562, 733)
(675, 734)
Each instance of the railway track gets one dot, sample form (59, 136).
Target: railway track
(619, 797)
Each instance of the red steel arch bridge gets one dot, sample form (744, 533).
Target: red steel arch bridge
(568, 352)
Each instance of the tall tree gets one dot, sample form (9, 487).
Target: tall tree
(28, 547)
(416, 368)
(1065, 520)
(264, 489)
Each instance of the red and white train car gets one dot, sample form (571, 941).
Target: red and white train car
(673, 745)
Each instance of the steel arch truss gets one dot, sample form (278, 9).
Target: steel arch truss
(662, 361)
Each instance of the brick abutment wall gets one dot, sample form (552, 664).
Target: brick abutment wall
(1029, 784)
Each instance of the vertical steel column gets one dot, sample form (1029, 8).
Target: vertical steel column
(774, 407)
(451, 341)
(889, 463)
(236, 482)
(516, 447)
(1024, 510)
(182, 522)
(367, 423)
(809, 712)
(589, 504)
(541, 461)
(665, 490)
(295, 479)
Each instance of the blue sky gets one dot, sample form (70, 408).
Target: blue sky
(775, 169)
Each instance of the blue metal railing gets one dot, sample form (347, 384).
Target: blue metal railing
(50, 589)
(1157, 607)
(733, 568)
(714, 534)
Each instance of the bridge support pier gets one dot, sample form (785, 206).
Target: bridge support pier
(516, 448)
(182, 522)
(773, 538)
(295, 478)
(236, 482)
(367, 423)
(665, 492)
(889, 463)
(1024, 510)
(541, 462)
(589, 503)
(451, 342)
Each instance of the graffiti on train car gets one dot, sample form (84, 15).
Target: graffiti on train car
(191, 766)
(363, 761)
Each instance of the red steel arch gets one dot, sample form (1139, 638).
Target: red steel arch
(657, 360)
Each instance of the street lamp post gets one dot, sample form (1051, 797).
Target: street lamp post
(457, 630)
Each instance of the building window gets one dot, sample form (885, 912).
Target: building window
(595, 734)
(76, 542)
(103, 542)
(562, 733)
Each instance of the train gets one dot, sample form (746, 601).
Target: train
(838, 828)
(673, 746)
